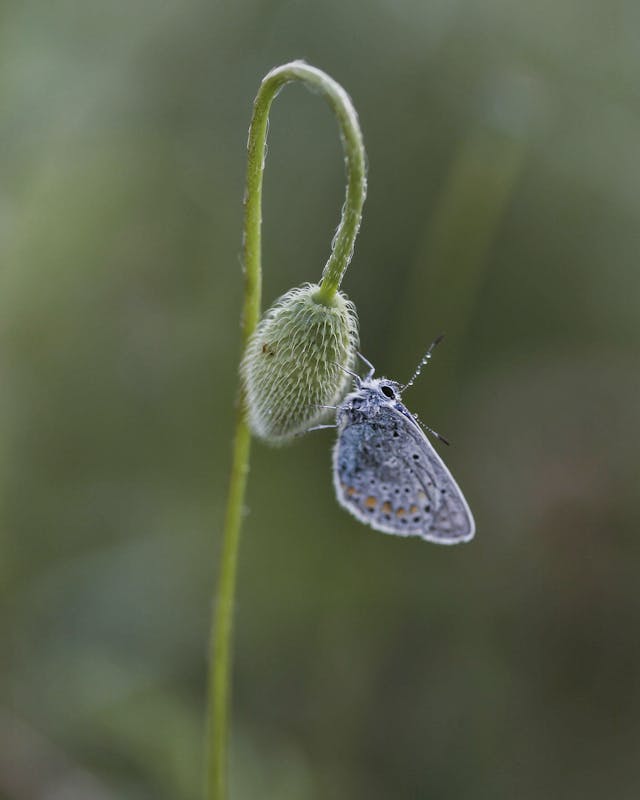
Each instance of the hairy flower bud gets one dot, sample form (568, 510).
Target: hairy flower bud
(295, 362)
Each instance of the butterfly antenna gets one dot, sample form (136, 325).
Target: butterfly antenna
(438, 436)
(425, 360)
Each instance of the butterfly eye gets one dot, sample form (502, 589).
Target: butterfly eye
(387, 391)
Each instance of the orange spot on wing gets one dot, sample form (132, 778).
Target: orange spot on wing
(351, 490)
(400, 512)
(386, 507)
(370, 502)
(413, 509)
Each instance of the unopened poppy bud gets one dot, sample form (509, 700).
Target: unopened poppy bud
(295, 362)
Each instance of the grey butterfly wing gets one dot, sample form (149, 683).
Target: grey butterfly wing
(387, 474)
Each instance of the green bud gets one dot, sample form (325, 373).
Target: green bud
(295, 362)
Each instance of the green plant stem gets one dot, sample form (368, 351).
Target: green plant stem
(216, 746)
(354, 153)
(220, 655)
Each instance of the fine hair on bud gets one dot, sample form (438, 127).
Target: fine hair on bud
(295, 362)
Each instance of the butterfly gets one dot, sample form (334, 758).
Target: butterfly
(386, 472)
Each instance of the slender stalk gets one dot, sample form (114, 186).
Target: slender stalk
(221, 635)
(342, 250)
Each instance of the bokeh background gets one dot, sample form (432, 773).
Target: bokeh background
(504, 209)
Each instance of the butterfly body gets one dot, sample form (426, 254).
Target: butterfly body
(386, 472)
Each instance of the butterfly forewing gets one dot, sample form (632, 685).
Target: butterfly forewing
(389, 476)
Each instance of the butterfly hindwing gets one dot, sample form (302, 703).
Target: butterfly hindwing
(389, 476)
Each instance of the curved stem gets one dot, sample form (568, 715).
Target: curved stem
(354, 153)
(342, 249)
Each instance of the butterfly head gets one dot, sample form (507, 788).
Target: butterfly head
(382, 389)
(369, 396)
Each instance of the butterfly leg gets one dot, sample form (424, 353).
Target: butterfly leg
(317, 428)
(372, 369)
(354, 375)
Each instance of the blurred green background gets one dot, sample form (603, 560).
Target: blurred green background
(504, 164)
